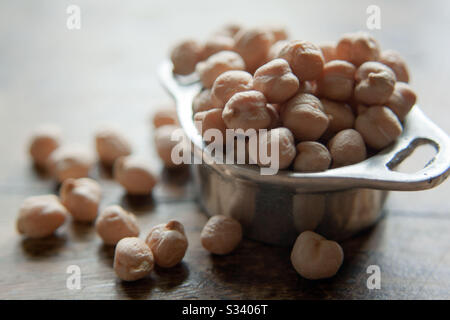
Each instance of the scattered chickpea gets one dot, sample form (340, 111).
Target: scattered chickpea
(340, 115)
(303, 115)
(357, 48)
(168, 243)
(337, 80)
(81, 197)
(44, 141)
(402, 100)
(276, 81)
(247, 110)
(379, 126)
(164, 144)
(185, 57)
(394, 60)
(286, 147)
(135, 175)
(167, 116)
(275, 49)
(204, 101)
(329, 51)
(40, 216)
(133, 259)
(229, 83)
(70, 161)
(114, 224)
(347, 147)
(374, 83)
(221, 234)
(111, 144)
(253, 45)
(305, 58)
(312, 157)
(315, 257)
(216, 44)
(217, 64)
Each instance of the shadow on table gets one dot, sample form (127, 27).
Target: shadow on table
(255, 268)
(43, 248)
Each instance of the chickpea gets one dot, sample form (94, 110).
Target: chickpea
(337, 80)
(111, 144)
(40, 216)
(308, 87)
(216, 44)
(211, 119)
(312, 157)
(165, 117)
(229, 30)
(274, 115)
(185, 56)
(81, 197)
(305, 59)
(361, 108)
(286, 147)
(135, 175)
(379, 126)
(114, 224)
(247, 110)
(168, 243)
(275, 49)
(315, 257)
(402, 100)
(374, 83)
(229, 83)
(347, 147)
(279, 33)
(394, 60)
(357, 48)
(221, 234)
(276, 81)
(44, 141)
(254, 45)
(303, 115)
(205, 101)
(340, 115)
(70, 162)
(164, 144)
(329, 51)
(133, 259)
(217, 64)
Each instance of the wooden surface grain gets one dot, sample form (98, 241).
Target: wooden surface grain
(105, 73)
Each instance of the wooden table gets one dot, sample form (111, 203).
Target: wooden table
(105, 72)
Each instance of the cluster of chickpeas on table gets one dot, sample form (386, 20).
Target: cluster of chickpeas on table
(80, 197)
(329, 105)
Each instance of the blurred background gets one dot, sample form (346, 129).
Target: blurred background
(105, 72)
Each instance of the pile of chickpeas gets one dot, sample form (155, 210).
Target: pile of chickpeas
(330, 105)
